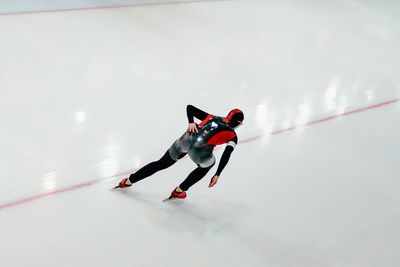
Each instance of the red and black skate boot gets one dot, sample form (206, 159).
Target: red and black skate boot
(176, 194)
(123, 184)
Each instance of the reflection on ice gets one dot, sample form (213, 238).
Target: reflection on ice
(80, 116)
(49, 181)
(304, 114)
(369, 95)
(341, 105)
(109, 167)
(265, 120)
(286, 123)
(261, 115)
(137, 162)
(331, 95)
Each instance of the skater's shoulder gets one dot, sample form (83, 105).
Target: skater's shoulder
(218, 118)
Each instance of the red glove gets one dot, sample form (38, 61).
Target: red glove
(213, 181)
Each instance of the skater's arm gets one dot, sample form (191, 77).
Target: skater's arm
(192, 112)
(224, 159)
(230, 146)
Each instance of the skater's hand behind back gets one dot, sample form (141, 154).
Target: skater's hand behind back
(192, 128)
(213, 181)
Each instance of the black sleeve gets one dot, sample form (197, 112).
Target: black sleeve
(192, 111)
(224, 159)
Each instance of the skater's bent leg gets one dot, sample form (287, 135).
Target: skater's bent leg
(151, 168)
(194, 177)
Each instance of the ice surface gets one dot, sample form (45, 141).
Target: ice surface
(26, 6)
(87, 95)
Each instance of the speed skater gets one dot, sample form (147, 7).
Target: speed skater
(198, 142)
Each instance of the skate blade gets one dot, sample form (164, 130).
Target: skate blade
(173, 199)
(115, 187)
(170, 198)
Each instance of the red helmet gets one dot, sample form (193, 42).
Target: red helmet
(235, 117)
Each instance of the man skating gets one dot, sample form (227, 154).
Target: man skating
(198, 142)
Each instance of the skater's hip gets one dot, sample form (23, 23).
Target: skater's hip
(186, 144)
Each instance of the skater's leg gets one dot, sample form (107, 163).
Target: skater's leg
(151, 168)
(193, 178)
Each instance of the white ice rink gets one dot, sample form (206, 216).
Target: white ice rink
(88, 96)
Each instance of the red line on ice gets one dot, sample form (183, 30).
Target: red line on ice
(90, 183)
(336, 116)
(109, 7)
